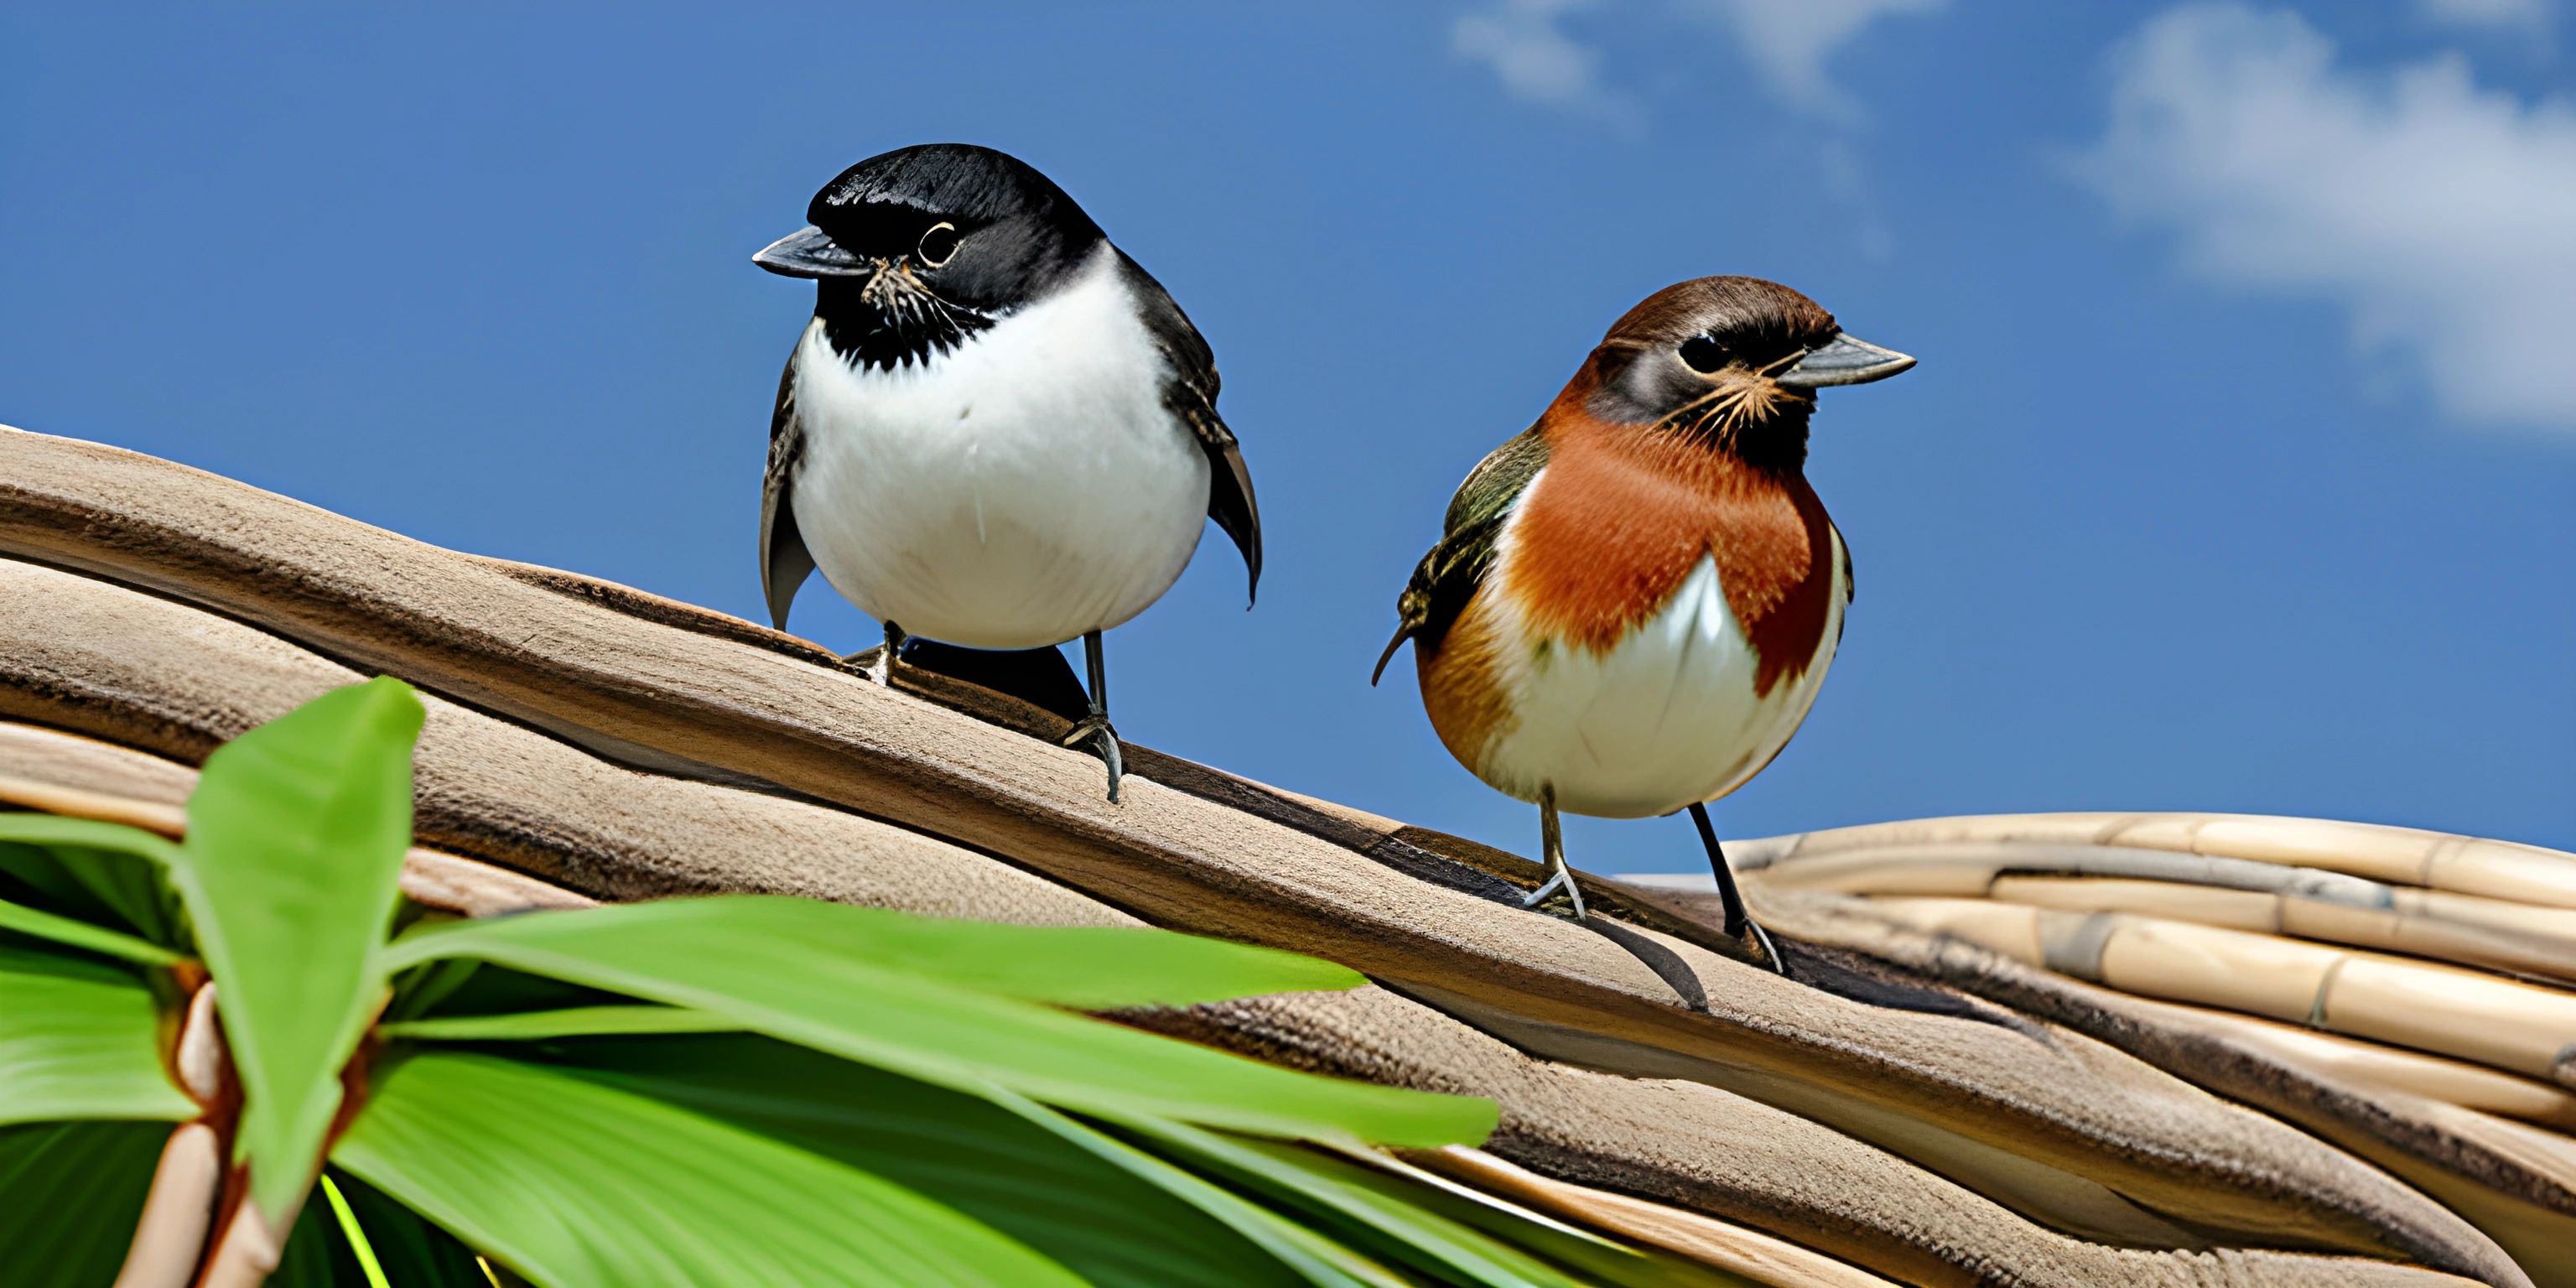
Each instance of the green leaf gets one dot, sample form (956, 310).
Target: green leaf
(94, 871)
(355, 1236)
(562, 1022)
(101, 886)
(31, 874)
(137, 887)
(1315, 1257)
(416, 1254)
(295, 842)
(79, 1039)
(1083, 967)
(1062, 1198)
(81, 934)
(316, 1255)
(834, 1000)
(1593, 1258)
(70, 1194)
(422, 988)
(575, 1183)
(53, 831)
(459, 986)
(1349, 1196)
(412, 1252)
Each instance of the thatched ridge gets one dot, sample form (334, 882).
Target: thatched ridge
(1926, 1103)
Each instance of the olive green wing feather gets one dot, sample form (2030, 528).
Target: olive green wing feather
(1448, 576)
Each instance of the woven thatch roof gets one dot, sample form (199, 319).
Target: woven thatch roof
(1974, 1077)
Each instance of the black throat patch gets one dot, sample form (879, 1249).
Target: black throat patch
(890, 328)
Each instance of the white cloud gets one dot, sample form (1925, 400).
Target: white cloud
(2440, 215)
(1536, 60)
(1785, 43)
(1788, 42)
(2525, 17)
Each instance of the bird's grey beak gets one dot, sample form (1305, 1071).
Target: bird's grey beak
(1845, 361)
(810, 252)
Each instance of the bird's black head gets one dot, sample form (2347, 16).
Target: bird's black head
(916, 249)
(1736, 358)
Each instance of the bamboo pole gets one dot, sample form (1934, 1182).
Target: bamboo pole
(2395, 855)
(2241, 894)
(2522, 1028)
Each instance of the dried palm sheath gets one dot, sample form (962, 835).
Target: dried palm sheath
(1591, 1121)
(2169, 935)
(623, 746)
(2243, 894)
(2396, 855)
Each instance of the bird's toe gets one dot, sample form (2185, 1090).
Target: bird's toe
(1103, 737)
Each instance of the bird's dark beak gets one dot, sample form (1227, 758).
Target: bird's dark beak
(810, 252)
(1845, 361)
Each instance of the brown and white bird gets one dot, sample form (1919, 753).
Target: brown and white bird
(1636, 599)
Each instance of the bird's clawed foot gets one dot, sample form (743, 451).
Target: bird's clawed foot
(883, 671)
(1096, 725)
(1095, 729)
(1737, 922)
(1552, 845)
(1561, 881)
(1770, 951)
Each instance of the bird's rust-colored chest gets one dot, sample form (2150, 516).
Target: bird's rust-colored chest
(1623, 513)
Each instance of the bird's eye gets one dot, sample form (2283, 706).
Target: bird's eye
(937, 245)
(1704, 354)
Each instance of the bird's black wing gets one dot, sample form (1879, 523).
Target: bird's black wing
(784, 561)
(1190, 394)
(1448, 576)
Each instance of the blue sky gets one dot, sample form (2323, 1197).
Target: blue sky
(2239, 472)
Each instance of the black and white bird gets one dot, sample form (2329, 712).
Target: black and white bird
(997, 431)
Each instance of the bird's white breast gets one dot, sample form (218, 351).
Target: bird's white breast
(1019, 490)
(1666, 718)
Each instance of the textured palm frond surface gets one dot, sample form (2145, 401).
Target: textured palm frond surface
(2055, 1049)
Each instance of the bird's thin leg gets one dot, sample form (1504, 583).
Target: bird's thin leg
(1737, 920)
(1552, 840)
(894, 638)
(1095, 727)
